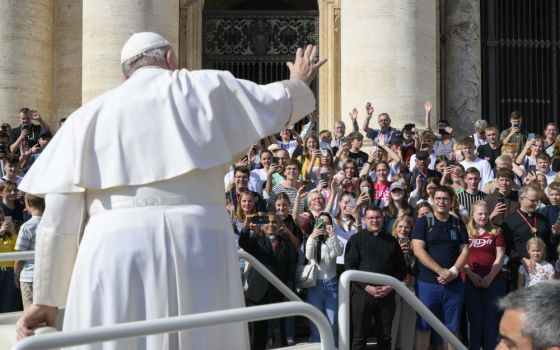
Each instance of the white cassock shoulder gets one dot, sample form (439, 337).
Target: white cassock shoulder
(160, 124)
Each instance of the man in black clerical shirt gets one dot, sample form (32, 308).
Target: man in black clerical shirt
(373, 250)
(519, 227)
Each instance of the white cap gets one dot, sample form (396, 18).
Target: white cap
(141, 42)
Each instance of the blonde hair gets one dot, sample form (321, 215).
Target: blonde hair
(407, 219)
(239, 212)
(472, 228)
(539, 243)
(509, 147)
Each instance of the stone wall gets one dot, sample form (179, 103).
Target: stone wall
(26, 34)
(389, 57)
(463, 65)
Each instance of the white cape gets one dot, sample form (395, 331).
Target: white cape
(144, 162)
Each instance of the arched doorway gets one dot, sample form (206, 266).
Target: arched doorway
(254, 39)
(191, 37)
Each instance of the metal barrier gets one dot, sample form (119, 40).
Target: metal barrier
(29, 255)
(178, 323)
(399, 287)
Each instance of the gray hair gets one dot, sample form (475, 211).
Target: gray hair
(541, 305)
(152, 57)
(524, 191)
(480, 125)
(310, 195)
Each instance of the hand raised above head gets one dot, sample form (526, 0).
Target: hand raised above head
(306, 64)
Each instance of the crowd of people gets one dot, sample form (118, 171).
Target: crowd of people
(461, 221)
(20, 213)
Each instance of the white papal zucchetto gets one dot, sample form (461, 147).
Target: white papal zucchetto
(140, 42)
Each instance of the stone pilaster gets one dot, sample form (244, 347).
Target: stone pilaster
(67, 67)
(329, 76)
(107, 24)
(389, 57)
(462, 65)
(26, 34)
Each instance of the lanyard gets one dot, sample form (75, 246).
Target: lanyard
(534, 226)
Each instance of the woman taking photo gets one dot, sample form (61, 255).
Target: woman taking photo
(315, 204)
(482, 275)
(322, 248)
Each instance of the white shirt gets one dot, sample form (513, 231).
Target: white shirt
(483, 167)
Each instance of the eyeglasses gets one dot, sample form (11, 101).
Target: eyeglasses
(442, 199)
(242, 178)
(534, 201)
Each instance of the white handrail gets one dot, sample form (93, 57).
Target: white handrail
(28, 255)
(376, 278)
(178, 323)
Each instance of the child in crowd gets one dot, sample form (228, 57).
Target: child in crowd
(541, 270)
(26, 242)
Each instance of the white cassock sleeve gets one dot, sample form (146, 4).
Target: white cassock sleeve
(56, 247)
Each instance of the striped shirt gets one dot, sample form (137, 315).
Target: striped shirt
(466, 199)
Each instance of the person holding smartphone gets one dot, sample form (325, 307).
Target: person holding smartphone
(322, 248)
(514, 134)
(275, 251)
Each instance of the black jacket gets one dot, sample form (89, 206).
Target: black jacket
(281, 261)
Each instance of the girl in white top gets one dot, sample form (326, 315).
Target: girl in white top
(541, 271)
(322, 248)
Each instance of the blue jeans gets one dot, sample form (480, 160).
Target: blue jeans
(482, 313)
(8, 290)
(324, 296)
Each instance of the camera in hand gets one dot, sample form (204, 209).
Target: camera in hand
(260, 220)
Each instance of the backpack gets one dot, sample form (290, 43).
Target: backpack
(455, 225)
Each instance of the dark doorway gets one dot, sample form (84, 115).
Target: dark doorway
(254, 39)
(520, 55)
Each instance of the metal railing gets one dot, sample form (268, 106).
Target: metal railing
(375, 278)
(142, 328)
(178, 323)
(29, 255)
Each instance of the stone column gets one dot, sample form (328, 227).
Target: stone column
(26, 34)
(462, 65)
(107, 24)
(329, 76)
(389, 58)
(67, 69)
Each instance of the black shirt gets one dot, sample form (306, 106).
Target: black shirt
(359, 157)
(517, 233)
(381, 254)
(486, 152)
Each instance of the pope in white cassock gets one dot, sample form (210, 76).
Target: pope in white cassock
(136, 174)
